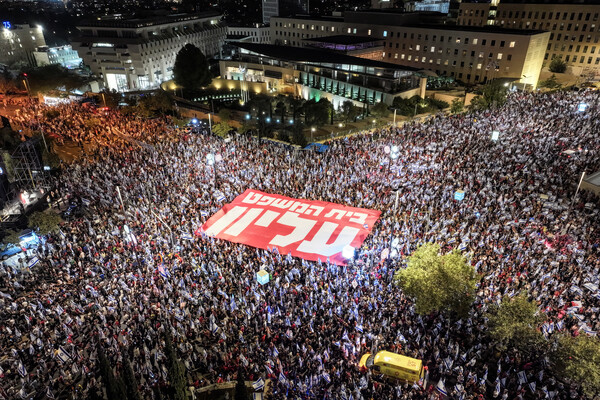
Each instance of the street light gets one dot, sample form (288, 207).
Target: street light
(312, 131)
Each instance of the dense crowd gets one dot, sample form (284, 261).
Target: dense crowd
(120, 277)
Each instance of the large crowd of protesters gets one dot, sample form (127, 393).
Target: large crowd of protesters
(121, 276)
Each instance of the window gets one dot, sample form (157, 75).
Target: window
(396, 55)
(512, 44)
(475, 41)
(418, 47)
(499, 57)
(479, 66)
(369, 32)
(384, 33)
(502, 43)
(509, 57)
(350, 31)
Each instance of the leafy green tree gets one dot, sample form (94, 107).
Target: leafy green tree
(225, 115)
(10, 236)
(550, 83)
(221, 129)
(241, 391)
(52, 77)
(46, 222)
(380, 110)
(115, 388)
(557, 65)
(493, 95)
(298, 136)
(514, 324)
(457, 106)
(152, 105)
(175, 368)
(110, 98)
(317, 112)
(578, 359)
(191, 68)
(438, 282)
(349, 111)
(131, 385)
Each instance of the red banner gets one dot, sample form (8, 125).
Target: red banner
(313, 230)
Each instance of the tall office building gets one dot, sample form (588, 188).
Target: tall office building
(574, 26)
(284, 8)
(18, 42)
(139, 54)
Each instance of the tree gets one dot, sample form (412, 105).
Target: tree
(350, 111)
(110, 98)
(514, 324)
(225, 115)
(550, 83)
(298, 136)
(241, 392)
(493, 95)
(114, 387)
(577, 359)
(380, 110)
(557, 65)
(191, 68)
(131, 386)
(457, 106)
(175, 369)
(10, 236)
(221, 129)
(438, 282)
(46, 222)
(7, 82)
(152, 105)
(52, 77)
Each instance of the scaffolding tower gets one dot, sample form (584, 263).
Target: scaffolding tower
(28, 170)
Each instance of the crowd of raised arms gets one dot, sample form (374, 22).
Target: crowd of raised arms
(94, 288)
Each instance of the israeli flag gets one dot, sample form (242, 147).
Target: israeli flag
(214, 328)
(259, 384)
(21, 369)
(282, 378)
(59, 310)
(187, 236)
(204, 213)
(221, 198)
(359, 328)
(441, 387)
(62, 355)
(269, 370)
(275, 352)
(522, 377)
(33, 262)
(163, 272)
(326, 378)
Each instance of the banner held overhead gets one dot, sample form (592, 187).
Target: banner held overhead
(313, 230)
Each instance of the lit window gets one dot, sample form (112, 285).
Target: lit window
(369, 32)
(384, 33)
(350, 30)
(475, 41)
(402, 56)
(499, 56)
(418, 47)
(396, 55)
(478, 66)
(432, 49)
(512, 44)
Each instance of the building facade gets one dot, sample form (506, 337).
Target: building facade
(252, 34)
(440, 6)
(317, 73)
(139, 54)
(468, 54)
(18, 43)
(574, 27)
(64, 56)
(283, 8)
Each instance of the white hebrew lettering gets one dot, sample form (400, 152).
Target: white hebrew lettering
(340, 213)
(302, 227)
(317, 209)
(299, 207)
(318, 244)
(225, 220)
(282, 203)
(265, 201)
(243, 222)
(266, 219)
(252, 198)
(359, 218)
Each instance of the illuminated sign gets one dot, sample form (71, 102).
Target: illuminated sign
(6, 24)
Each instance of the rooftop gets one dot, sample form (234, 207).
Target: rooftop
(147, 21)
(484, 29)
(344, 39)
(310, 55)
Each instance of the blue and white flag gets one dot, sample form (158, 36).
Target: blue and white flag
(532, 387)
(441, 387)
(282, 378)
(326, 378)
(522, 377)
(33, 262)
(259, 384)
(62, 355)
(359, 328)
(269, 370)
(203, 213)
(21, 369)
(49, 393)
(221, 198)
(275, 352)
(187, 236)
